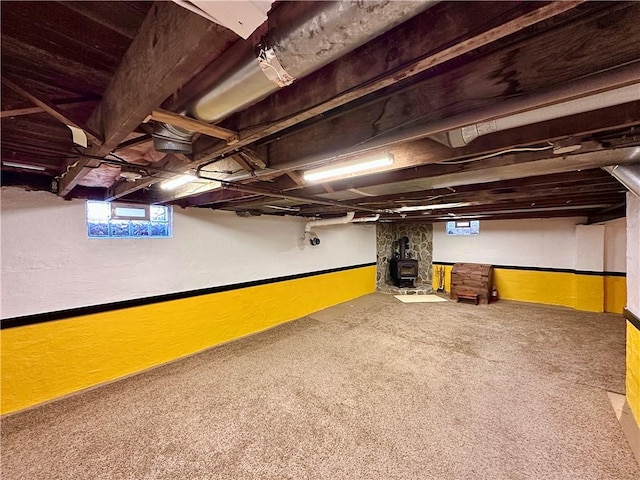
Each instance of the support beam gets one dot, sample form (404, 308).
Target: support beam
(365, 71)
(243, 162)
(586, 180)
(419, 153)
(354, 130)
(213, 197)
(171, 46)
(269, 193)
(63, 105)
(187, 123)
(53, 110)
(494, 169)
(171, 165)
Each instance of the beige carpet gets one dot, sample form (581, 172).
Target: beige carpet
(420, 298)
(370, 389)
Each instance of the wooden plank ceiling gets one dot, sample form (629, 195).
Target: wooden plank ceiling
(112, 68)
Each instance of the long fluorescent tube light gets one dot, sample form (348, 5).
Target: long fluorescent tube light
(24, 165)
(349, 168)
(418, 208)
(177, 182)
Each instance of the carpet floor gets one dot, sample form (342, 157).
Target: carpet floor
(369, 389)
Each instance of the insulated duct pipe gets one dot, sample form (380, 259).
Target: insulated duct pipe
(627, 175)
(348, 218)
(320, 36)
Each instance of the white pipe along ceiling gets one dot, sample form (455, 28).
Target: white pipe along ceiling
(329, 221)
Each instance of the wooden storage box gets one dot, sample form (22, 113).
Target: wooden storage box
(468, 279)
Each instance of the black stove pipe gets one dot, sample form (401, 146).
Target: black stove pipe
(403, 243)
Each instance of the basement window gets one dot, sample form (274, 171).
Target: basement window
(120, 220)
(463, 227)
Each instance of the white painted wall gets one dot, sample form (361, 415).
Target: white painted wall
(615, 245)
(550, 243)
(589, 248)
(526, 243)
(633, 253)
(49, 264)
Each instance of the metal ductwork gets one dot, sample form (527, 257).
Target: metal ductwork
(627, 175)
(325, 33)
(171, 139)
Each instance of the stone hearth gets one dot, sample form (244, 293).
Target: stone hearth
(421, 247)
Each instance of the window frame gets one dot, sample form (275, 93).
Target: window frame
(111, 225)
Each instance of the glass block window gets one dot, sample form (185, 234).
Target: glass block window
(463, 227)
(114, 220)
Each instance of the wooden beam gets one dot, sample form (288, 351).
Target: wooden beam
(553, 196)
(254, 157)
(213, 197)
(170, 164)
(244, 163)
(367, 70)
(187, 123)
(52, 110)
(104, 14)
(298, 180)
(509, 167)
(296, 198)
(583, 212)
(420, 154)
(171, 46)
(430, 162)
(586, 179)
(63, 105)
(52, 68)
(415, 107)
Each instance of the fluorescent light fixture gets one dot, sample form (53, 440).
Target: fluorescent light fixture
(177, 182)
(417, 208)
(285, 209)
(24, 165)
(350, 168)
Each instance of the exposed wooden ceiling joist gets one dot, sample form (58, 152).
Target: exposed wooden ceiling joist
(53, 110)
(62, 105)
(428, 41)
(454, 64)
(171, 46)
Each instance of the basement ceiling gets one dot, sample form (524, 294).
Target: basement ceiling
(532, 76)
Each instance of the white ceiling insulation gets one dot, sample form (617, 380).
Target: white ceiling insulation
(240, 16)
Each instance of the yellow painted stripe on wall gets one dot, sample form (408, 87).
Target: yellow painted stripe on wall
(615, 294)
(590, 293)
(551, 288)
(48, 360)
(632, 382)
(593, 293)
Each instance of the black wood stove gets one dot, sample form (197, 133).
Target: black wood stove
(403, 270)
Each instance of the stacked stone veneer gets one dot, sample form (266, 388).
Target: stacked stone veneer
(420, 245)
